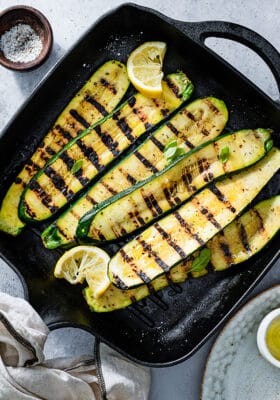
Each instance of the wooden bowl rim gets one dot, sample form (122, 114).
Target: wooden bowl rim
(47, 45)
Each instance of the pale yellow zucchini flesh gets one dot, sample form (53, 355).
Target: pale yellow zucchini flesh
(247, 235)
(198, 122)
(172, 239)
(132, 209)
(98, 97)
(58, 182)
(240, 240)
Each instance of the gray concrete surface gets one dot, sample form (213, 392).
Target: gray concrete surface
(69, 20)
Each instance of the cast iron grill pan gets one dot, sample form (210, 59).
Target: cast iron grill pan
(168, 327)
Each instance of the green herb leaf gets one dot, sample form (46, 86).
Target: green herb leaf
(77, 166)
(188, 91)
(179, 152)
(173, 151)
(172, 143)
(224, 154)
(170, 153)
(268, 144)
(201, 261)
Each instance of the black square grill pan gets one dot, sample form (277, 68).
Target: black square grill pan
(166, 328)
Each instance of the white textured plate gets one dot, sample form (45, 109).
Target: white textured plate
(235, 370)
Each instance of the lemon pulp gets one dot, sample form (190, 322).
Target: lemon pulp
(144, 68)
(85, 263)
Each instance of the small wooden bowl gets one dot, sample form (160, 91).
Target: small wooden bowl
(30, 16)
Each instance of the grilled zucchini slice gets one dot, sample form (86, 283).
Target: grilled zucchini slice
(134, 208)
(172, 239)
(89, 153)
(247, 235)
(242, 238)
(98, 97)
(196, 123)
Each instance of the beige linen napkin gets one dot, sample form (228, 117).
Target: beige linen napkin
(25, 375)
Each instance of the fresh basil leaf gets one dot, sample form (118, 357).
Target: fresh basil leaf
(77, 166)
(170, 153)
(268, 144)
(224, 154)
(186, 94)
(173, 151)
(179, 152)
(172, 143)
(201, 261)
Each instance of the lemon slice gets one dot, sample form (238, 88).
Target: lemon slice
(85, 262)
(144, 67)
(98, 280)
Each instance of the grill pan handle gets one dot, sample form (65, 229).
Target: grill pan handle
(199, 31)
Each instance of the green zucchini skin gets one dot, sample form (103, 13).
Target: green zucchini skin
(198, 122)
(94, 100)
(261, 224)
(139, 205)
(175, 237)
(96, 147)
(247, 235)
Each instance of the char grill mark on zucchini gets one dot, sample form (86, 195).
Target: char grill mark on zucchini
(88, 153)
(243, 237)
(65, 128)
(171, 243)
(45, 198)
(177, 133)
(50, 151)
(204, 211)
(221, 197)
(187, 228)
(124, 126)
(108, 141)
(226, 252)
(238, 190)
(173, 87)
(89, 199)
(262, 222)
(110, 189)
(157, 143)
(261, 228)
(58, 182)
(79, 118)
(30, 167)
(128, 177)
(247, 235)
(97, 105)
(70, 162)
(187, 180)
(168, 197)
(104, 142)
(131, 169)
(109, 85)
(159, 193)
(147, 164)
(151, 253)
(64, 135)
(152, 204)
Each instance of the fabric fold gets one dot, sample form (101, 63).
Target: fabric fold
(26, 375)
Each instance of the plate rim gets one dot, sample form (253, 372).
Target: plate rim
(235, 315)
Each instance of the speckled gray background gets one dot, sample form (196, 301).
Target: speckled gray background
(69, 19)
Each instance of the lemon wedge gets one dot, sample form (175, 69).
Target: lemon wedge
(144, 67)
(85, 263)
